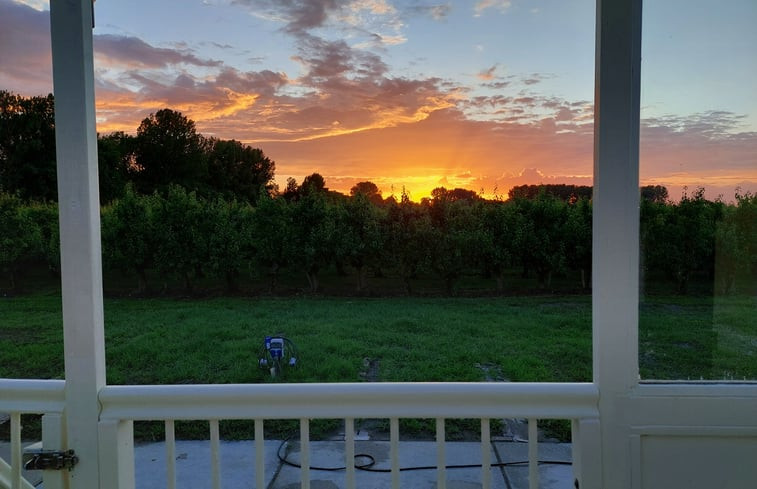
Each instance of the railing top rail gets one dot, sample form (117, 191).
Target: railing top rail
(380, 400)
(32, 396)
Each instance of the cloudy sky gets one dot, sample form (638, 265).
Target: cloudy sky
(482, 94)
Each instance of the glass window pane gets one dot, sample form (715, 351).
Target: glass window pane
(698, 169)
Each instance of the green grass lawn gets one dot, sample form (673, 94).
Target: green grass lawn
(408, 339)
(166, 341)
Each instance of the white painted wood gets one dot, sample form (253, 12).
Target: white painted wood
(32, 396)
(215, 454)
(587, 453)
(54, 438)
(116, 458)
(79, 207)
(10, 475)
(533, 454)
(616, 225)
(637, 416)
(15, 450)
(259, 454)
(441, 459)
(305, 453)
(394, 451)
(170, 454)
(349, 452)
(358, 400)
(486, 454)
(5, 477)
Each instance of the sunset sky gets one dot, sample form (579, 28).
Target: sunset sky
(481, 94)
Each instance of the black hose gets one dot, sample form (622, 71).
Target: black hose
(368, 467)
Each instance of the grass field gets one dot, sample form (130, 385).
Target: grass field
(530, 338)
(546, 338)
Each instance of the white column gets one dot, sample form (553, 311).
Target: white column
(616, 226)
(78, 197)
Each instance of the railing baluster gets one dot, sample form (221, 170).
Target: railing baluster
(259, 455)
(15, 450)
(170, 454)
(215, 458)
(441, 459)
(394, 451)
(349, 451)
(486, 454)
(305, 453)
(533, 454)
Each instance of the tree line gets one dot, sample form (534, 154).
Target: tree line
(189, 239)
(166, 150)
(180, 205)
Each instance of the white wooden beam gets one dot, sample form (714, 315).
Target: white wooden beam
(616, 226)
(78, 197)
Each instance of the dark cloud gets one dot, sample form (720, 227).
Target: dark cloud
(535, 78)
(326, 59)
(299, 16)
(435, 11)
(132, 51)
(25, 59)
(498, 85)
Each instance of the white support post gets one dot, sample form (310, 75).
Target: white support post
(616, 225)
(54, 438)
(587, 453)
(116, 454)
(78, 197)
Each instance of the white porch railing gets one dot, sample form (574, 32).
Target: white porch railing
(122, 405)
(19, 397)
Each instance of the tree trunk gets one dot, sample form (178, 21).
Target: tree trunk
(141, 280)
(583, 278)
(187, 282)
(408, 287)
(449, 283)
(232, 285)
(312, 276)
(13, 280)
(361, 278)
(274, 276)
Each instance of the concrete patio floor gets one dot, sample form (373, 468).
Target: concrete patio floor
(238, 465)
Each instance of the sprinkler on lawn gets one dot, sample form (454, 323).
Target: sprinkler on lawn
(277, 352)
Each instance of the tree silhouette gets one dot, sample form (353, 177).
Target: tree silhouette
(27, 146)
(369, 190)
(238, 171)
(168, 151)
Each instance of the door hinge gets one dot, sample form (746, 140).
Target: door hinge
(50, 460)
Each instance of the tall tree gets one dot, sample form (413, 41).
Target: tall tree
(115, 157)
(19, 236)
(358, 239)
(540, 236)
(238, 171)
(370, 190)
(496, 248)
(27, 146)
(169, 151)
(313, 184)
(129, 235)
(654, 193)
(313, 228)
(408, 232)
(272, 236)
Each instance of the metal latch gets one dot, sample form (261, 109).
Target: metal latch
(49, 460)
